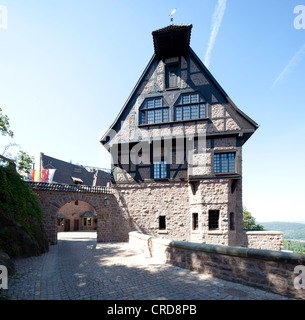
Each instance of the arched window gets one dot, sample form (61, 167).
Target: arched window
(189, 106)
(154, 110)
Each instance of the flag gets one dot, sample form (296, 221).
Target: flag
(45, 175)
(35, 175)
(51, 175)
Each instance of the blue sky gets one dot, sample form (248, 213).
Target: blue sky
(67, 67)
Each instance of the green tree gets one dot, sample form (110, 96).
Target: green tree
(5, 125)
(249, 221)
(23, 161)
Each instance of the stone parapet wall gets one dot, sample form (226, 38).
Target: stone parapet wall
(265, 269)
(267, 240)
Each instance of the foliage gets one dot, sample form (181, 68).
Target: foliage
(23, 160)
(291, 230)
(249, 222)
(18, 199)
(5, 125)
(295, 246)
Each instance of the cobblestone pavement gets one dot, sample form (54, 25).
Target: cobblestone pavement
(80, 268)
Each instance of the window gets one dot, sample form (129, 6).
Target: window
(189, 106)
(195, 221)
(213, 219)
(160, 170)
(232, 222)
(162, 223)
(153, 110)
(224, 163)
(171, 76)
(87, 221)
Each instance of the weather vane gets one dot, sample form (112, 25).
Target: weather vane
(171, 15)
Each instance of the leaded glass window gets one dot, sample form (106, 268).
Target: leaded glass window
(224, 162)
(190, 106)
(154, 110)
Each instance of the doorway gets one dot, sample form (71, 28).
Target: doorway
(67, 225)
(76, 224)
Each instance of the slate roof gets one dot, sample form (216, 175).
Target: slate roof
(68, 187)
(65, 172)
(87, 214)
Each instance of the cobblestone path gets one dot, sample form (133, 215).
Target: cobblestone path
(80, 268)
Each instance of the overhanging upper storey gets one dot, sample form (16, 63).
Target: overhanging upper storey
(173, 40)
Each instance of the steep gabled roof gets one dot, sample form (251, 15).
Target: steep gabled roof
(168, 30)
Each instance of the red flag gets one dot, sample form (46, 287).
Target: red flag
(44, 175)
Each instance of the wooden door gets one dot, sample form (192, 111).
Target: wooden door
(67, 224)
(76, 224)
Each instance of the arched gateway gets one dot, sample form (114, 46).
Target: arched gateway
(57, 201)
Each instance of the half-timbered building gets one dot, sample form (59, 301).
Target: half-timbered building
(176, 149)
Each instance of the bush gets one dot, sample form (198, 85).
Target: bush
(18, 199)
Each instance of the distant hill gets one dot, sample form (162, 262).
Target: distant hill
(291, 230)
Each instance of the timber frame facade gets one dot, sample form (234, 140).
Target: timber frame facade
(180, 133)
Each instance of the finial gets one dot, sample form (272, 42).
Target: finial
(171, 15)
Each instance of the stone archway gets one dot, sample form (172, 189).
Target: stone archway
(53, 197)
(76, 215)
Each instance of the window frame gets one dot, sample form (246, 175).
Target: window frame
(232, 221)
(147, 110)
(195, 221)
(219, 163)
(212, 220)
(185, 107)
(172, 67)
(162, 223)
(161, 165)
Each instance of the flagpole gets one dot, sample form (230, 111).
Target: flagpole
(40, 167)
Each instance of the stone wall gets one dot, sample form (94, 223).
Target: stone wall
(139, 206)
(217, 195)
(264, 269)
(267, 240)
(53, 197)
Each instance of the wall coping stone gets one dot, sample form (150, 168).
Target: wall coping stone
(270, 255)
(265, 232)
